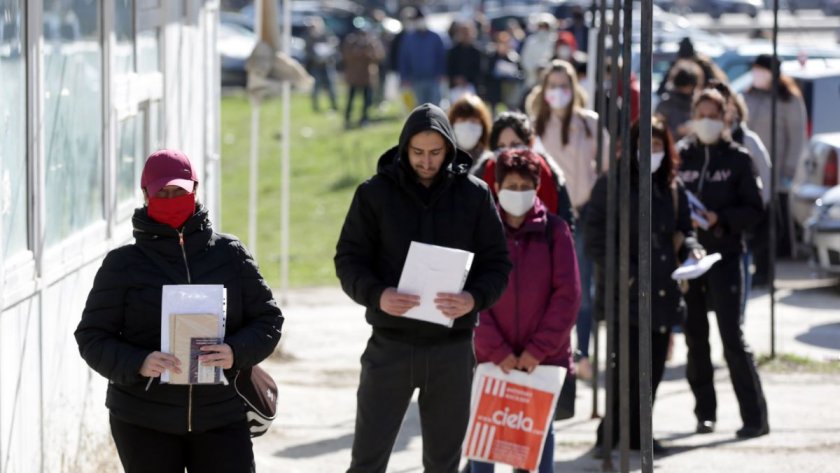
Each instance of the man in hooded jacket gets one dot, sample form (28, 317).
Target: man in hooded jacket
(422, 192)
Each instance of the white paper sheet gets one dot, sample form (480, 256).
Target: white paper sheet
(190, 299)
(693, 269)
(431, 269)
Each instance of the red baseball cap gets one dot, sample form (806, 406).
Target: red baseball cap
(167, 167)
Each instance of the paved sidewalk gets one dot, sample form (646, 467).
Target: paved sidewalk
(325, 334)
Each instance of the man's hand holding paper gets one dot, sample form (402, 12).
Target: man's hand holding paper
(156, 363)
(397, 304)
(455, 305)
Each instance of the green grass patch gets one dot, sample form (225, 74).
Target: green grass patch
(327, 163)
(787, 363)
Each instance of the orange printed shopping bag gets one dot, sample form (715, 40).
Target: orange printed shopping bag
(510, 414)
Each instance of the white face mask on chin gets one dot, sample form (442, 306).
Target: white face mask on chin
(517, 203)
(467, 134)
(656, 161)
(708, 130)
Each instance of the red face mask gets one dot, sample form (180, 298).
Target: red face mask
(174, 211)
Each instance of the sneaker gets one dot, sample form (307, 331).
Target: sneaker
(705, 426)
(583, 368)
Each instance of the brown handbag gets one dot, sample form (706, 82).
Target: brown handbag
(259, 392)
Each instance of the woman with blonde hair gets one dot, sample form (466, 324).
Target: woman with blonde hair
(569, 134)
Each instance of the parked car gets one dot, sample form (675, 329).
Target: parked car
(816, 173)
(822, 231)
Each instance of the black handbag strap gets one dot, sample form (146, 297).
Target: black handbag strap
(162, 264)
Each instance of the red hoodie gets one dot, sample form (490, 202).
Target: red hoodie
(539, 307)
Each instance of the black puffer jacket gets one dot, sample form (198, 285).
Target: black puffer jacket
(723, 177)
(121, 322)
(392, 209)
(666, 303)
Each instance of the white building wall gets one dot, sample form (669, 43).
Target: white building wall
(52, 406)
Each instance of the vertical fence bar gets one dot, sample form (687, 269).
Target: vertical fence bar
(774, 182)
(645, 363)
(624, 241)
(600, 107)
(610, 276)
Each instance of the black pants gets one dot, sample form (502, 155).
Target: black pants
(227, 449)
(659, 352)
(366, 102)
(721, 286)
(391, 371)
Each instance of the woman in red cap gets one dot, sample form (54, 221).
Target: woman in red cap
(167, 427)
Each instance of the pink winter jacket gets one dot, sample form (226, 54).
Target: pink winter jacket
(539, 307)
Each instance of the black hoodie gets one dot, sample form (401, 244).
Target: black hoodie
(392, 209)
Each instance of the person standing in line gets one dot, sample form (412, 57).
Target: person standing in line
(791, 136)
(672, 239)
(538, 49)
(513, 130)
(165, 427)
(362, 54)
(568, 133)
(736, 121)
(532, 322)
(320, 61)
(465, 63)
(721, 175)
(503, 75)
(422, 192)
(471, 124)
(675, 107)
(422, 61)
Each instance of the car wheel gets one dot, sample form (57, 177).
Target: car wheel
(753, 12)
(715, 14)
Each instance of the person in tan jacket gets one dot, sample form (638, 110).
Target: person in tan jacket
(569, 134)
(362, 52)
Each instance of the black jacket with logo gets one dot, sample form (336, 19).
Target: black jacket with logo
(120, 324)
(722, 176)
(392, 209)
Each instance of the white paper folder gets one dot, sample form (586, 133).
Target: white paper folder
(431, 269)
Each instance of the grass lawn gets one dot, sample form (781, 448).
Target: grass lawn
(327, 161)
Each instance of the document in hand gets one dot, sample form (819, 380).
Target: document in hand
(697, 208)
(693, 269)
(192, 316)
(431, 269)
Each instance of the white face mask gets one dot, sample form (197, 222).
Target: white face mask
(656, 161)
(517, 203)
(564, 52)
(558, 97)
(762, 78)
(707, 130)
(467, 134)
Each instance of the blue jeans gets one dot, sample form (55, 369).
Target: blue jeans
(426, 91)
(747, 262)
(546, 461)
(584, 318)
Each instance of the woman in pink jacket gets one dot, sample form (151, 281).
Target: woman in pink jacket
(531, 324)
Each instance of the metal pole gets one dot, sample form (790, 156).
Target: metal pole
(645, 362)
(252, 181)
(774, 181)
(600, 107)
(286, 165)
(624, 244)
(610, 276)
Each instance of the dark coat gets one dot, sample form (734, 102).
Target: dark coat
(467, 62)
(362, 52)
(539, 307)
(392, 209)
(120, 324)
(667, 305)
(728, 188)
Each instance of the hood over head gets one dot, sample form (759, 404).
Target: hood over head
(427, 117)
